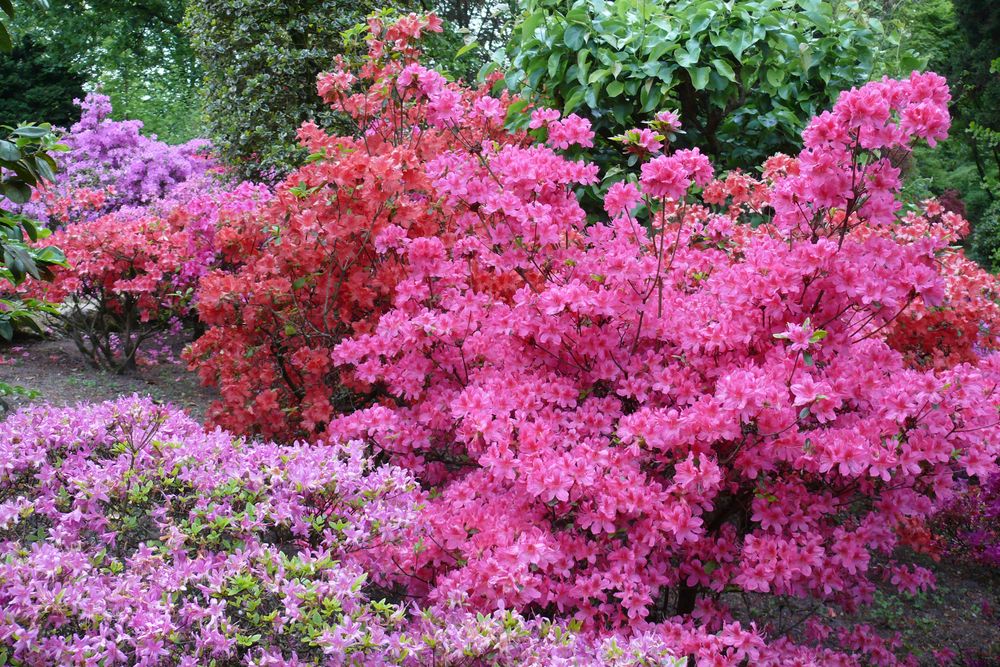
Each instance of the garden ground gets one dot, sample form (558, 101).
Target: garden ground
(961, 615)
(57, 371)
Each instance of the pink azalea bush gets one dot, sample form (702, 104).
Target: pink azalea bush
(129, 536)
(626, 421)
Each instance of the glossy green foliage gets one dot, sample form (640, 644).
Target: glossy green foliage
(744, 74)
(25, 162)
(960, 40)
(260, 60)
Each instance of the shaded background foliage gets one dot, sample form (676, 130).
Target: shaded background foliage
(261, 59)
(37, 86)
(744, 75)
(135, 51)
(961, 41)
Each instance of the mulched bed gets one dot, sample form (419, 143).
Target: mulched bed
(62, 376)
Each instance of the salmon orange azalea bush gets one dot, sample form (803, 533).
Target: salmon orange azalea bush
(131, 272)
(306, 270)
(624, 421)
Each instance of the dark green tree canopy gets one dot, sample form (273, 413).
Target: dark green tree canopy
(36, 86)
(260, 60)
(134, 49)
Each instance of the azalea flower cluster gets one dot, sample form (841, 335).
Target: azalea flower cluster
(129, 536)
(735, 384)
(627, 419)
(132, 273)
(110, 164)
(966, 324)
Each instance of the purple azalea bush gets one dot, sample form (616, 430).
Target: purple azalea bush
(108, 153)
(111, 165)
(969, 525)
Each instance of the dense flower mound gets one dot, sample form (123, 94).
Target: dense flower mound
(133, 271)
(627, 420)
(129, 536)
(678, 404)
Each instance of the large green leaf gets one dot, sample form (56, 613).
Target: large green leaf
(574, 36)
(724, 69)
(699, 77)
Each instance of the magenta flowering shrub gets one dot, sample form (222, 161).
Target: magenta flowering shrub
(129, 536)
(626, 421)
(132, 273)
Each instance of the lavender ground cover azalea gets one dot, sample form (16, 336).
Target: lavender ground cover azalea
(130, 536)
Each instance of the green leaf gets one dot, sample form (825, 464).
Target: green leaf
(699, 23)
(19, 193)
(775, 76)
(554, 64)
(699, 77)
(574, 100)
(32, 131)
(598, 76)
(43, 169)
(465, 49)
(724, 69)
(574, 37)
(30, 228)
(9, 151)
(51, 255)
(531, 23)
(615, 88)
(685, 58)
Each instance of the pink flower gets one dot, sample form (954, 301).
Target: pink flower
(665, 176)
(573, 131)
(543, 116)
(621, 198)
(668, 121)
